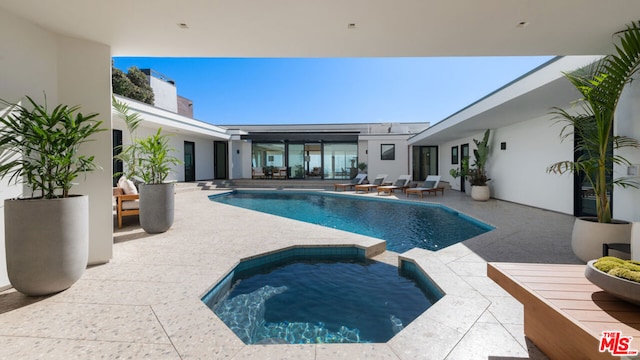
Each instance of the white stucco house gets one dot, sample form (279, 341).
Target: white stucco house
(64, 49)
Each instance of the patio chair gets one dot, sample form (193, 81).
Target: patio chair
(281, 173)
(127, 200)
(430, 185)
(378, 181)
(257, 173)
(401, 183)
(358, 179)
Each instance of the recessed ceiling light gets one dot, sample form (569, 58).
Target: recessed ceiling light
(183, 25)
(522, 24)
(351, 26)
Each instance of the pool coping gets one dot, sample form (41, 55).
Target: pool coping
(457, 297)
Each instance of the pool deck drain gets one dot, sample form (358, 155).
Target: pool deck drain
(145, 303)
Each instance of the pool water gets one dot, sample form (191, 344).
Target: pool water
(319, 301)
(404, 225)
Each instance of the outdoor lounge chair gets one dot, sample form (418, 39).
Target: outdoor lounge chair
(401, 184)
(430, 185)
(357, 180)
(378, 181)
(127, 202)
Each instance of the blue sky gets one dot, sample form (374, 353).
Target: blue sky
(333, 90)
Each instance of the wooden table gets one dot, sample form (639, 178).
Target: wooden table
(564, 313)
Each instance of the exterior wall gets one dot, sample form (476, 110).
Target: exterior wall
(363, 153)
(519, 173)
(444, 158)
(84, 77)
(74, 72)
(27, 66)
(204, 149)
(165, 94)
(393, 168)
(185, 107)
(626, 202)
(239, 163)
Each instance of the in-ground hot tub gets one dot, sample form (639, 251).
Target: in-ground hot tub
(305, 295)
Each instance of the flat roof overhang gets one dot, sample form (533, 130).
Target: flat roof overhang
(305, 28)
(531, 96)
(301, 137)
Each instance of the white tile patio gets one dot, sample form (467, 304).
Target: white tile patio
(145, 303)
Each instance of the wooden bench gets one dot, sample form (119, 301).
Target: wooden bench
(564, 313)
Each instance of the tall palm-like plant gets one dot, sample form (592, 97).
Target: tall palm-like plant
(128, 154)
(600, 84)
(41, 147)
(154, 161)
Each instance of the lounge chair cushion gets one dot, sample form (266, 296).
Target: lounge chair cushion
(429, 184)
(130, 205)
(399, 182)
(355, 180)
(127, 186)
(378, 181)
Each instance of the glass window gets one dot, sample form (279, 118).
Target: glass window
(296, 161)
(268, 156)
(340, 160)
(387, 152)
(454, 155)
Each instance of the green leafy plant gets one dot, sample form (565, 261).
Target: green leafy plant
(476, 173)
(154, 159)
(128, 153)
(362, 166)
(600, 84)
(41, 148)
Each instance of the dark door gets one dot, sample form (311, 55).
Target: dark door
(220, 160)
(425, 162)
(189, 161)
(464, 155)
(117, 149)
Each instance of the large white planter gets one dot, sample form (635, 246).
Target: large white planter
(46, 243)
(588, 236)
(480, 193)
(156, 207)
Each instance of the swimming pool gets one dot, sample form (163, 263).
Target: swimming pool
(402, 224)
(320, 295)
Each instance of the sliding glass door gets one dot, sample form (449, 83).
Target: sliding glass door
(295, 157)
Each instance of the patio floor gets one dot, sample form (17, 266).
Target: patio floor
(145, 303)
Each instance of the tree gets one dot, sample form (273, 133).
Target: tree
(133, 84)
(121, 83)
(142, 90)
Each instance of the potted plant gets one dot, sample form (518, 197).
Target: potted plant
(40, 149)
(476, 174)
(156, 196)
(362, 166)
(600, 84)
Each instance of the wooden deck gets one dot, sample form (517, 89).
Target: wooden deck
(564, 313)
